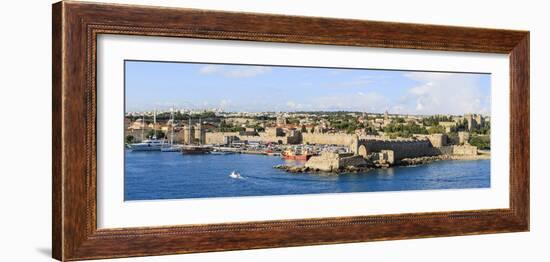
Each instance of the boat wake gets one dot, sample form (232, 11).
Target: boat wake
(236, 175)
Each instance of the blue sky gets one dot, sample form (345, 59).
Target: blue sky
(161, 85)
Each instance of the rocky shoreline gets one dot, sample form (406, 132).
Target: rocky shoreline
(305, 169)
(371, 166)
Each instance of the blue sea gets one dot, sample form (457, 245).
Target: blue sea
(163, 175)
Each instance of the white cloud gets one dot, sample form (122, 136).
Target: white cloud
(443, 93)
(368, 102)
(234, 71)
(433, 93)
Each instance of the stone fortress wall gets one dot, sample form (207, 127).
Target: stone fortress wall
(178, 136)
(428, 145)
(325, 162)
(464, 150)
(218, 137)
(401, 148)
(327, 139)
(299, 138)
(329, 161)
(459, 150)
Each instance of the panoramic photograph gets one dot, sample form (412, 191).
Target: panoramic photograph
(204, 130)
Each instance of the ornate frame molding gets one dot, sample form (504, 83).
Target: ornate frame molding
(76, 26)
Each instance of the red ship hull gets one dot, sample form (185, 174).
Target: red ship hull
(296, 157)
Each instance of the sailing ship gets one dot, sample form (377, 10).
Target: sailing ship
(193, 149)
(171, 147)
(196, 149)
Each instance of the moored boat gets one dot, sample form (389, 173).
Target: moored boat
(171, 147)
(196, 149)
(152, 144)
(218, 152)
(148, 145)
(293, 155)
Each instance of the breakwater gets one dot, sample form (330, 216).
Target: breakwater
(401, 148)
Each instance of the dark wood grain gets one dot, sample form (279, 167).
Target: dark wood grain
(76, 26)
(57, 190)
(519, 129)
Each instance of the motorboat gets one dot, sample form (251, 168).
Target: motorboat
(153, 144)
(235, 174)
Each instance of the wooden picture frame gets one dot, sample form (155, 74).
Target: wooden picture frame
(76, 26)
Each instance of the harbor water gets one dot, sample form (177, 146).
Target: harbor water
(171, 175)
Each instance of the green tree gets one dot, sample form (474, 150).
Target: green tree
(204, 115)
(398, 120)
(129, 139)
(436, 130)
(225, 127)
(370, 130)
(434, 120)
(404, 130)
(486, 129)
(482, 142)
(159, 133)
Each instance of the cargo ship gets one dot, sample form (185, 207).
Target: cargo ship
(294, 155)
